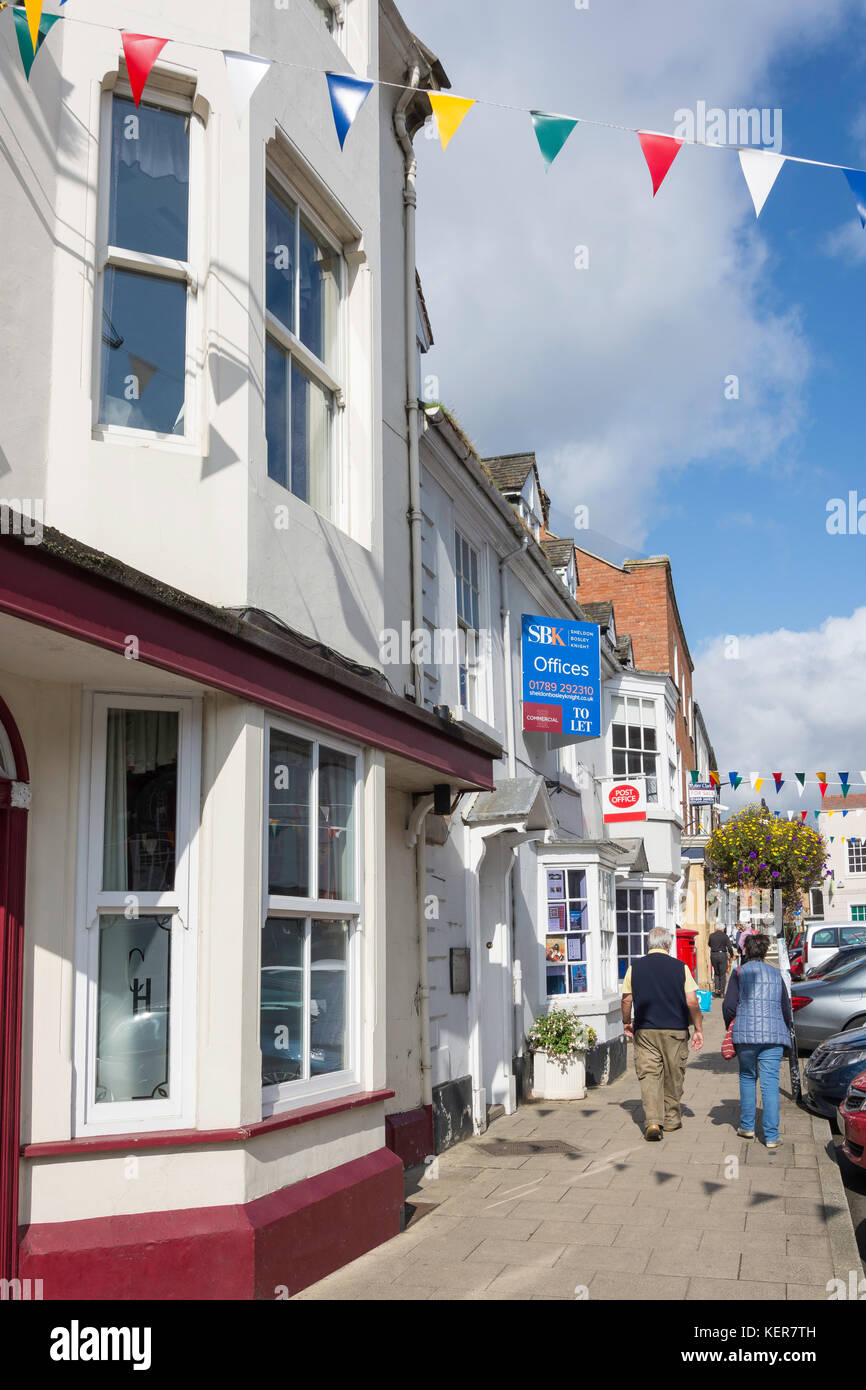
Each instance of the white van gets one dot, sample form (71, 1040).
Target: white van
(823, 939)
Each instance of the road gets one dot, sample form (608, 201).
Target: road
(855, 1189)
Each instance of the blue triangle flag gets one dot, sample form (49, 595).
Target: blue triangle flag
(348, 95)
(857, 183)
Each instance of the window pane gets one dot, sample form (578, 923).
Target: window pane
(634, 737)
(649, 900)
(576, 883)
(280, 261)
(319, 290)
(635, 762)
(329, 1038)
(290, 773)
(143, 352)
(336, 825)
(282, 1006)
(149, 197)
(618, 735)
(311, 442)
(139, 838)
(132, 1025)
(277, 413)
(619, 764)
(649, 738)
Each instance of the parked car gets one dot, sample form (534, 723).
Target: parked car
(852, 1121)
(840, 957)
(829, 1005)
(822, 939)
(831, 1069)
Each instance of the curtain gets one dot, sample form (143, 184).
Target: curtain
(114, 865)
(336, 827)
(160, 148)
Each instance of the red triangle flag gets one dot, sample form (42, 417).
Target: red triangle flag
(141, 52)
(659, 151)
(803, 815)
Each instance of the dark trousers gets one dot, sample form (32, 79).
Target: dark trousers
(720, 971)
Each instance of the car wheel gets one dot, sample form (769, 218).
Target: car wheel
(858, 1022)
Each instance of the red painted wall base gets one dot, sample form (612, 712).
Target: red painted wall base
(410, 1134)
(267, 1249)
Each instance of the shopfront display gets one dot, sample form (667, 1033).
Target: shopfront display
(566, 942)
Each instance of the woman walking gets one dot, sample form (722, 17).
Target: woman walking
(759, 1004)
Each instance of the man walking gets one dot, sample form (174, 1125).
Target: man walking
(664, 994)
(721, 951)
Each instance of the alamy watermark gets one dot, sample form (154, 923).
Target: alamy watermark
(760, 126)
(22, 516)
(441, 646)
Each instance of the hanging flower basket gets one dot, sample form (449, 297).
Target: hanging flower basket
(560, 1041)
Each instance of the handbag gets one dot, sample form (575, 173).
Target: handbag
(728, 1049)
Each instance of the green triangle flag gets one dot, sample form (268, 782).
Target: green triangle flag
(551, 132)
(25, 43)
(694, 773)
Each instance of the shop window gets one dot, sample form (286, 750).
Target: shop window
(147, 278)
(137, 951)
(858, 912)
(635, 919)
(566, 942)
(310, 935)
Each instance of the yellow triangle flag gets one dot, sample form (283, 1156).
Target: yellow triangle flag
(450, 113)
(829, 814)
(759, 782)
(33, 10)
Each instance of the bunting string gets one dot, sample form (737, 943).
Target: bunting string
(760, 166)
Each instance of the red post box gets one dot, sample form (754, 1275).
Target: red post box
(686, 950)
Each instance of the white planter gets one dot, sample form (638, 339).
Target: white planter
(559, 1078)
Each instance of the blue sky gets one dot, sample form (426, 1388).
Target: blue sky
(615, 374)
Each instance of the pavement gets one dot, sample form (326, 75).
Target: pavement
(569, 1201)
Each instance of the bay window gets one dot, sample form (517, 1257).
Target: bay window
(634, 741)
(311, 930)
(566, 943)
(303, 391)
(147, 280)
(137, 954)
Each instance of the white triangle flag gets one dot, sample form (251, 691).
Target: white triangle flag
(760, 170)
(801, 787)
(753, 778)
(863, 775)
(790, 815)
(245, 72)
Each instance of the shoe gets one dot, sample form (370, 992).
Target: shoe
(669, 1128)
(774, 1143)
(746, 1133)
(653, 1133)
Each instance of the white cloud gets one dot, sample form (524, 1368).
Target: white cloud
(615, 373)
(789, 701)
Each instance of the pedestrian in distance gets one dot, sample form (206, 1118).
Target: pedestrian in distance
(663, 993)
(721, 951)
(742, 937)
(760, 1007)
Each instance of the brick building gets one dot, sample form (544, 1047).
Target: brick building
(644, 600)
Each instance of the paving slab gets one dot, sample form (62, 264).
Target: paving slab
(622, 1219)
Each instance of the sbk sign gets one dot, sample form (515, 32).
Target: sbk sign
(624, 801)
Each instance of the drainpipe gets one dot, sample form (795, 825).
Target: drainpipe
(505, 615)
(410, 201)
(416, 835)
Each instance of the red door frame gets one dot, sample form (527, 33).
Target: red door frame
(13, 867)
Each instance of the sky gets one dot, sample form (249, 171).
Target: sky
(616, 371)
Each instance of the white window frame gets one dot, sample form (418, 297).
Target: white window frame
(291, 345)
(625, 696)
(475, 675)
(288, 1095)
(859, 907)
(188, 272)
(181, 903)
(595, 985)
(634, 884)
(856, 855)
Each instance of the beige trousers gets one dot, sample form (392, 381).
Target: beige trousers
(660, 1058)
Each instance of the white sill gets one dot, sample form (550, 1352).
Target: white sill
(464, 716)
(145, 439)
(309, 1094)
